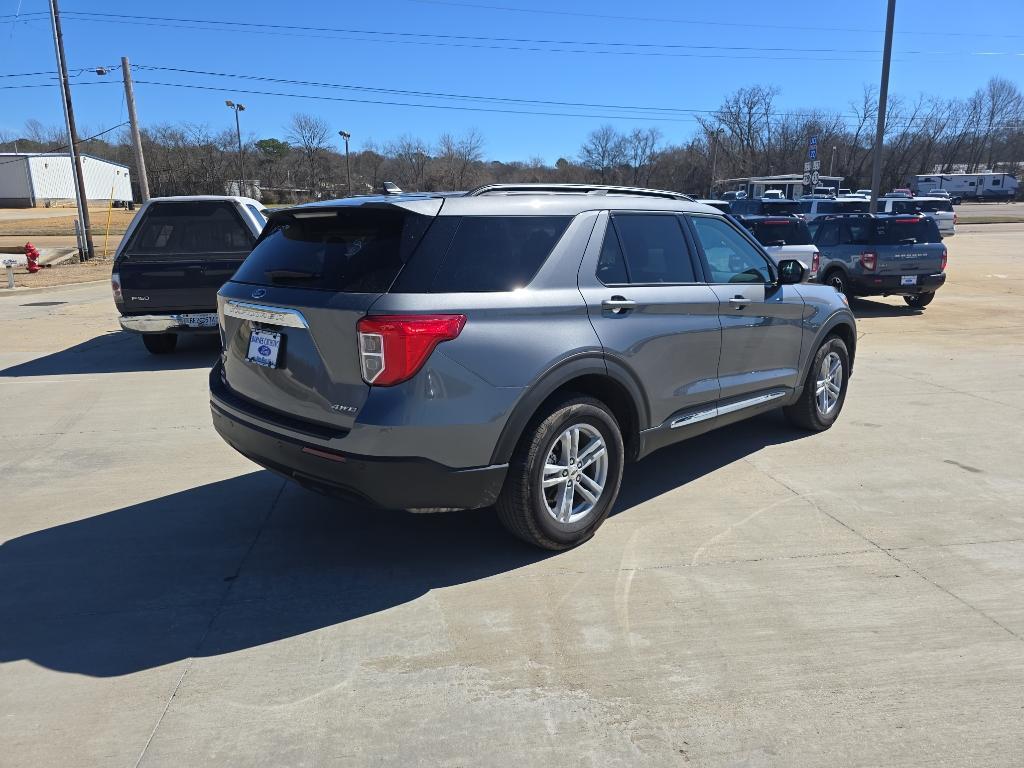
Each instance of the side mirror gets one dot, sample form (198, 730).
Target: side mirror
(791, 272)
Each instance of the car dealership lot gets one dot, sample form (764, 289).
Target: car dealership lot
(760, 596)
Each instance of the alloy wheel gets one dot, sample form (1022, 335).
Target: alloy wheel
(829, 383)
(575, 473)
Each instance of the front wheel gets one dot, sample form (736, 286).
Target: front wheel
(919, 300)
(564, 476)
(824, 389)
(837, 280)
(160, 343)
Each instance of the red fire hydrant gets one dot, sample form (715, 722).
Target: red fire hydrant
(32, 257)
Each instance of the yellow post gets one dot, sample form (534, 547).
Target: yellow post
(110, 208)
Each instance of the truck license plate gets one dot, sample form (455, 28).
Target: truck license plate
(199, 320)
(908, 280)
(263, 348)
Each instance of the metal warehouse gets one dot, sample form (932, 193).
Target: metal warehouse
(42, 179)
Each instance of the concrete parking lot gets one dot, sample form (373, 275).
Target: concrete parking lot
(760, 597)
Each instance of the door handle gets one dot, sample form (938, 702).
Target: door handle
(739, 302)
(618, 305)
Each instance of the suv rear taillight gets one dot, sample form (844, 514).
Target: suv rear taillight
(392, 348)
(869, 260)
(815, 264)
(115, 287)
(945, 258)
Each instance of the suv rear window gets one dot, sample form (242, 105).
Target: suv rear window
(355, 250)
(896, 231)
(190, 229)
(785, 207)
(772, 231)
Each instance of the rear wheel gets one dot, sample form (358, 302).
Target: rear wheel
(564, 476)
(837, 280)
(160, 343)
(919, 300)
(824, 389)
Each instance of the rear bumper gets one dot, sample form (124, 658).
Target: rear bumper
(889, 285)
(391, 483)
(169, 323)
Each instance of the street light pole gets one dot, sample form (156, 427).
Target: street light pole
(883, 97)
(714, 161)
(348, 168)
(236, 108)
(832, 162)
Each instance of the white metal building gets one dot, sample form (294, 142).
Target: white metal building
(790, 184)
(37, 179)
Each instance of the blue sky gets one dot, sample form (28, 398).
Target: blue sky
(827, 52)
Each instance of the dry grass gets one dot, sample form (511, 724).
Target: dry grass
(990, 219)
(64, 225)
(61, 274)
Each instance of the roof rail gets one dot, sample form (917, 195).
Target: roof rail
(579, 189)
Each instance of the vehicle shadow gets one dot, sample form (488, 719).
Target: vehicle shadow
(252, 560)
(119, 352)
(866, 308)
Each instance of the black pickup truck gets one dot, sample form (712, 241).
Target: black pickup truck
(176, 254)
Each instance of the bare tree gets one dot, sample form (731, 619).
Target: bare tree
(641, 146)
(410, 157)
(457, 158)
(603, 152)
(308, 134)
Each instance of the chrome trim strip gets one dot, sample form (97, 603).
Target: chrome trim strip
(698, 416)
(163, 323)
(262, 313)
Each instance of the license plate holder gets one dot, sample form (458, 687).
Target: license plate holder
(264, 347)
(199, 320)
(908, 280)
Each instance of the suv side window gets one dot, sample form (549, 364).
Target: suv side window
(611, 264)
(654, 246)
(828, 234)
(857, 232)
(730, 256)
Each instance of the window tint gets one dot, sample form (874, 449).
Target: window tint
(851, 206)
(190, 229)
(896, 231)
(257, 214)
(933, 206)
(656, 249)
(857, 232)
(356, 250)
(611, 266)
(827, 234)
(996, 182)
(805, 206)
(787, 231)
(780, 207)
(904, 206)
(497, 253)
(826, 206)
(730, 256)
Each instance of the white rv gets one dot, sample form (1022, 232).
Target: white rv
(969, 186)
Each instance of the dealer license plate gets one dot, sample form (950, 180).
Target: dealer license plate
(908, 280)
(199, 320)
(263, 348)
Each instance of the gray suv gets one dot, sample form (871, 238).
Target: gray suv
(512, 346)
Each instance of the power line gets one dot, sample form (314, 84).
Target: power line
(663, 20)
(59, 147)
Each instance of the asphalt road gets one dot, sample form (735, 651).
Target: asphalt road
(760, 597)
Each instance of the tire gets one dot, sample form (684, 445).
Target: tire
(529, 510)
(807, 412)
(160, 343)
(837, 279)
(919, 300)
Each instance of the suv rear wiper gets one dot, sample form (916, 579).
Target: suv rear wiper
(291, 274)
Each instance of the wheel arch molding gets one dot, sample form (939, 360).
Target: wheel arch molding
(589, 374)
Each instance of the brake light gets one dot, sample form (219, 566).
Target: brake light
(907, 221)
(115, 286)
(869, 260)
(392, 348)
(945, 258)
(815, 264)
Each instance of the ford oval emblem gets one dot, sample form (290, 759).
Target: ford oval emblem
(259, 293)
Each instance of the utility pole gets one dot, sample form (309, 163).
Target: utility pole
(133, 119)
(81, 199)
(883, 97)
(832, 162)
(236, 108)
(714, 161)
(348, 168)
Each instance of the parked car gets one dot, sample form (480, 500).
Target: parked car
(900, 192)
(882, 255)
(785, 237)
(939, 209)
(955, 199)
(513, 345)
(175, 254)
(825, 191)
(864, 193)
(764, 206)
(773, 194)
(844, 192)
(734, 195)
(814, 207)
(722, 205)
